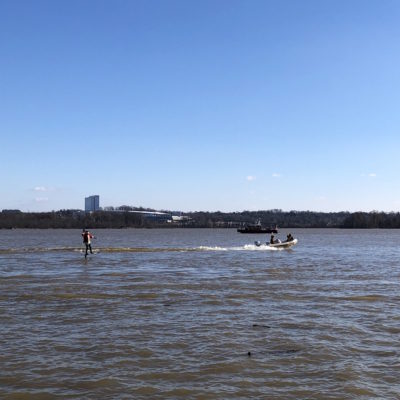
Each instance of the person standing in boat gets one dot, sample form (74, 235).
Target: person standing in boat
(87, 236)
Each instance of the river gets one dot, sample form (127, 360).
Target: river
(199, 314)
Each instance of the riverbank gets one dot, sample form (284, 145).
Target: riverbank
(75, 219)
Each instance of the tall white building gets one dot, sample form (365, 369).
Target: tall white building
(92, 203)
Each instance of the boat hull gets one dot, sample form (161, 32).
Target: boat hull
(283, 245)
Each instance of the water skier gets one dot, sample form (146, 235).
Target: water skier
(87, 236)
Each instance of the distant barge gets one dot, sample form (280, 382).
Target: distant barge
(257, 228)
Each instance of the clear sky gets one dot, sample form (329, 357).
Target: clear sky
(200, 105)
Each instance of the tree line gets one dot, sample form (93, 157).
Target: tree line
(70, 219)
(125, 218)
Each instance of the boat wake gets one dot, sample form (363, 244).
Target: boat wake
(246, 247)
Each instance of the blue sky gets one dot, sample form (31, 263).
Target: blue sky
(200, 105)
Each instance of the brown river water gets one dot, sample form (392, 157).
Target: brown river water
(199, 314)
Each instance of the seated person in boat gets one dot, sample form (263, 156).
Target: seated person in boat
(273, 240)
(289, 237)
